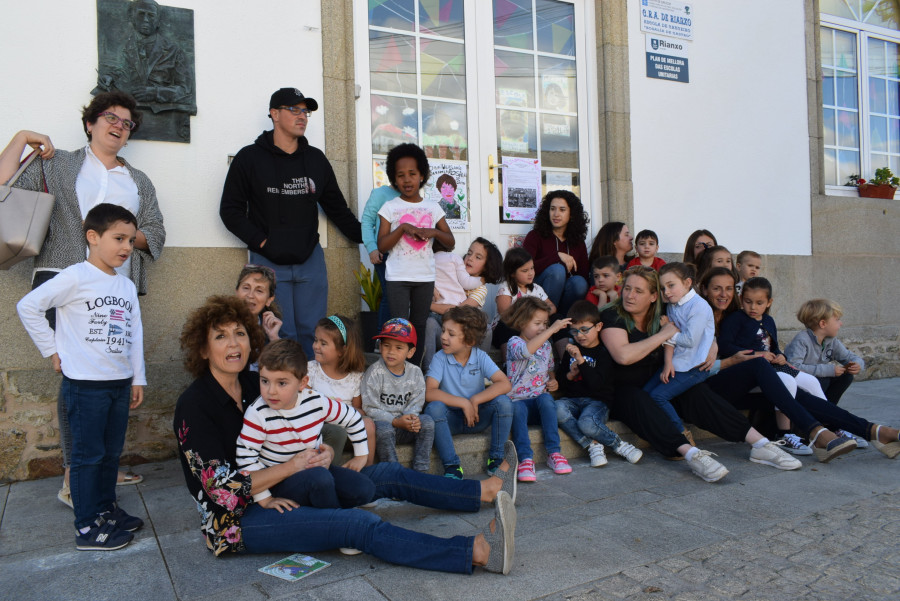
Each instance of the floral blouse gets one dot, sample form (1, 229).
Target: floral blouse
(207, 422)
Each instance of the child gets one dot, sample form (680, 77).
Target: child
(530, 369)
(287, 419)
(818, 352)
(98, 347)
(458, 401)
(687, 349)
(606, 278)
(518, 282)
(749, 264)
(647, 243)
(581, 413)
(714, 256)
(336, 373)
(408, 225)
(393, 395)
(451, 280)
(753, 328)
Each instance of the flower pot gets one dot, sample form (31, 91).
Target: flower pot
(368, 322)
(877, 191)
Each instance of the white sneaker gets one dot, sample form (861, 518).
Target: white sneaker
(598, 456)
(706, 467)
(861, 443)
(349, 551)
(631, 453)
(772, 454)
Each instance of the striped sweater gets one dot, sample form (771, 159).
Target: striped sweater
(270, 437)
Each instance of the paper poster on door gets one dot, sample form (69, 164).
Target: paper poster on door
(521, 189)
(447, 186)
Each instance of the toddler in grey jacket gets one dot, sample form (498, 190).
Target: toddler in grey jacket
(393, 395)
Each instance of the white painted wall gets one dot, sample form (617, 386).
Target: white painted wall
(244, 52)
(729, 151)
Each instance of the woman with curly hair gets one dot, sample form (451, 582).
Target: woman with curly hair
(218, 340)
(557, 246)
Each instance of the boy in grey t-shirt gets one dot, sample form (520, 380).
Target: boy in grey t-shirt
(393, 395)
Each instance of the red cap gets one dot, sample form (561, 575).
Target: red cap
(398, 329)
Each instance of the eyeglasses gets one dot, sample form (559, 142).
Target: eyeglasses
(113, 118)
(580, 331)
(296, 110)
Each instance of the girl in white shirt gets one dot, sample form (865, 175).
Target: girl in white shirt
(408, 226)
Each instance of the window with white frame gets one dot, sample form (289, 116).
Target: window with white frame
(860, 87)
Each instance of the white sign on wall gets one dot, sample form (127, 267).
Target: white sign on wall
(668, 17)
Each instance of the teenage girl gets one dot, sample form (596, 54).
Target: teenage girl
(408, 226)
(613, 239)
(518, 281)
(688, 349)
(698, 242)
(530, 369)
(557, 246)
(483, 261)
(753, 328)
(336, 372)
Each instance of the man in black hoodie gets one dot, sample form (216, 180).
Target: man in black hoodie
(269, 201)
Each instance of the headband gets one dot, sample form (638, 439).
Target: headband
(340, 326)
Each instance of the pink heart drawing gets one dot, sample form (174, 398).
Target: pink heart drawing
(423, 221)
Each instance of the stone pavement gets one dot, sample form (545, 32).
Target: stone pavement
(650, 531)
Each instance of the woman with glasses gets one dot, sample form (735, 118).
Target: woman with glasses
(80, 180)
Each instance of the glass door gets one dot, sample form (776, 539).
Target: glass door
(476, 84)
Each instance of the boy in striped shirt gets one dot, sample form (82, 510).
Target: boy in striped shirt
(287, 419)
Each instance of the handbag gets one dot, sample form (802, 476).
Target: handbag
(24, 218)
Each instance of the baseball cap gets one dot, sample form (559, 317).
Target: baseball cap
(398, 329)
(291, 97)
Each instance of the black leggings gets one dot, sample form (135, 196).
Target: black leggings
(412, 300)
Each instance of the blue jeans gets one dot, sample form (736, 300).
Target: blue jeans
(536, 410)
(326, 488)
(561, 288)
(98, 417)
(308, 529)
(584, 419)
(662, 392)
(496, 414)
(301, 291)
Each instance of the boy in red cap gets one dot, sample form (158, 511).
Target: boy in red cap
(393, 395)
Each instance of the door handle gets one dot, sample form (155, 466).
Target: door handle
(491, 167)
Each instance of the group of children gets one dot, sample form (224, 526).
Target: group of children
(334, 398)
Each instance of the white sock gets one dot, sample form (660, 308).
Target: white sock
(691, 452)
(760, 443)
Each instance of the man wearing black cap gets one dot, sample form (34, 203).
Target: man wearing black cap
(269, 201)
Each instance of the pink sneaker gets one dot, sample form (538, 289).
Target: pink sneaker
(526, 471)
(558, 464)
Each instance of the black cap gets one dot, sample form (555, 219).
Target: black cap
(291, 97)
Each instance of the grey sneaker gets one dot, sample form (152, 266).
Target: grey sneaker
(510, 483)
(598, 455)
(772, 454)
(793, 444)
(861, 443)
(631, 453)
(706, 467)
(503, 539)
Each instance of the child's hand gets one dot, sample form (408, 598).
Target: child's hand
(410, 423)
(278, 503)
(663, 321)
(321, 457)
(137, 396)
(559, 324)
(778, 360)
(470, 412)
(271, 325)
(375, 257)
(300, 461)
(56, 363)
(552, 385)
(853, 368)
(574, 352)
(612, 295)
(669, 330)
(839, 370)
(357, 463)
(667, 372)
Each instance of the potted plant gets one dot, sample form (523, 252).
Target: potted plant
(371, 294)
(883, 185)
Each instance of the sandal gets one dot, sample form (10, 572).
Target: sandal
(65, 496)
(890, 449)
(835, 448)
(129, 477)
